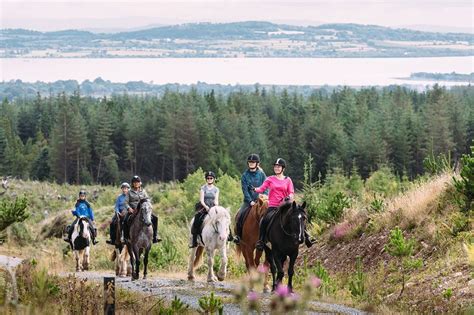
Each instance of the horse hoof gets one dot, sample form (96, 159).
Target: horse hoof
(144, 277)
(191, 278)
(220, 278)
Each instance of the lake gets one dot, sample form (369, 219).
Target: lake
(277, 71)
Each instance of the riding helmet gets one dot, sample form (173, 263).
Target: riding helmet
(280, 162)
(136, 178)
(209, 174)
(82, 192)
(125, 184)
(253, 158)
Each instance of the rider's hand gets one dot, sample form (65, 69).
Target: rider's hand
(252, 203)
(130, 210)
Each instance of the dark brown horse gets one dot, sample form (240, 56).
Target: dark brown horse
(285, 234)
(120, 255)
(141, 234)
(249, 238)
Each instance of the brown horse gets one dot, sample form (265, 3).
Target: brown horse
(249, 238)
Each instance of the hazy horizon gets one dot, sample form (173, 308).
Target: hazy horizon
(106, 15)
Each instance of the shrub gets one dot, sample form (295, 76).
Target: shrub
(465, 185)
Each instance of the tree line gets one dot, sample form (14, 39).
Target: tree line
(77, 139)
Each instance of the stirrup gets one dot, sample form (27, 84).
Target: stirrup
(260, 245)
(237, 240)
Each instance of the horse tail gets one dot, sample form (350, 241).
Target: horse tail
(238, 250)
(198, 257)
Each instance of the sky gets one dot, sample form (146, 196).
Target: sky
(456, 15)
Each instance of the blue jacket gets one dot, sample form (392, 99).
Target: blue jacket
(120, 203)
(83, 208)
(252, 179)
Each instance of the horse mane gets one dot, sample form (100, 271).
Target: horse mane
(216, 213)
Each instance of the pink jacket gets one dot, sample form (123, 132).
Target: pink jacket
(279, 189)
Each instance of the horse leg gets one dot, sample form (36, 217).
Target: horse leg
(223, 270)
(76, 255)
(271, 262)
(248, 257)
(192, 255)
(291, 270)
(145, 262)
(210, 266)
(137, 263)
(132, 259)
(117, 262)
(279, 266)
(85, 258)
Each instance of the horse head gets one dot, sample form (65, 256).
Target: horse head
(83, 225)
(145, 211)
(220, 219)
(294, 216)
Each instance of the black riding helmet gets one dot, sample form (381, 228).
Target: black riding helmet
(209, 174)
(253, 158)
(280, 162)
(136, 178)
(82, 192)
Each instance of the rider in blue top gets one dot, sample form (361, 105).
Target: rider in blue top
(253, 176)
(83, 209)
(120, 207)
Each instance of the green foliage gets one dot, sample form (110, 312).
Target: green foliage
(377, 205)
(13, 211)
(465, 185)
(20, 233)
(402, 249)
(383, 182)
(211, 304)
(357, 281)
(448, 293)
(327, 286)
(397, 245)
(437, 164)
(165, 138)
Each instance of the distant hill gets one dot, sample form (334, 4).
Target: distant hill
(240, 39)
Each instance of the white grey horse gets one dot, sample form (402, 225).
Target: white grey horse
(216, 229)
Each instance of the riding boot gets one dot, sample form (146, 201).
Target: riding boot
(195, 241)
(154, 222)
(260, 245)
(112, 233)
(308, 240)
(230, 238)
(94, 235)
(67, 238)
(126, 227)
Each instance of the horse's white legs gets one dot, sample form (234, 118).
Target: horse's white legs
(77, 255)
(210, 266)
(85, 258)
(192, 255)
(223, 270)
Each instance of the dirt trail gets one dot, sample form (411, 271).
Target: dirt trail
(188, 292)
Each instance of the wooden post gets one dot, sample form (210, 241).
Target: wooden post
(109, 295)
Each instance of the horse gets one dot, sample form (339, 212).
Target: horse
(285, 234)
(249, 238)
(120, 254)
(141, 234)
(216, 229)
(80, 243)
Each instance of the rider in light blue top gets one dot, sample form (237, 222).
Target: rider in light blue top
(83, 209)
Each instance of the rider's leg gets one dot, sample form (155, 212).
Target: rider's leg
(126, 228)
(240, 221)
(93, 231)
(154, 222)
(70, 229)
(113, 231)
(262, 231)
(308, 240)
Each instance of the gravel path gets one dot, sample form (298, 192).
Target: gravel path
(188, 292)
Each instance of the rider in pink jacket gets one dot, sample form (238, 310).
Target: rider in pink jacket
(281, 190)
